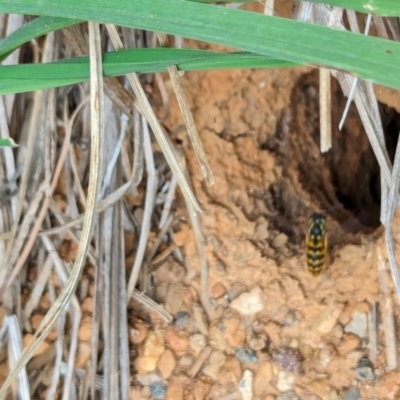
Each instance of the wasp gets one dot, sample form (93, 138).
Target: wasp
(316, 243)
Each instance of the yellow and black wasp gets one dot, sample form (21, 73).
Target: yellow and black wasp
(316, 243)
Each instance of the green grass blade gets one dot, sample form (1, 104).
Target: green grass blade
(38, 27)
(369, 58)
(24, 78)
(8, 142)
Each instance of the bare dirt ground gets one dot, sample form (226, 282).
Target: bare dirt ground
(272, 330)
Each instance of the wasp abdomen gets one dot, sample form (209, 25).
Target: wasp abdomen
(316, 243)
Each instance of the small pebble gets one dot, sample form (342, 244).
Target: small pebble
(176, 341)
(245, 355)
(337, 332)
(287, 358)
(327, 354)
(249, 303)
(352, 394)
(236, 290)
(306, 351)
(318, 389)
(350, 342)
(87, 305)
(139, 332)
(174, 297)
(158, 390)
(166, 363)
(261, 231)
(262, 378)
(327, 318)
(149, 379)
(290, 319)
(288, 396)
(245, 385)
(182, 319)
(175, 391)
(285, 381)
(279, 240)
(358, 324)
(185, 361)
(310, 396)
(43, 347)
(333, 395)
(218, 290)
(197, 342)
(85, 330)
(258, 343)
(83, 354)
(230, 326)
(215, 362)
(151, 352)
(365, 370)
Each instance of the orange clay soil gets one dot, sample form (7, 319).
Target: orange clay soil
(272, 328)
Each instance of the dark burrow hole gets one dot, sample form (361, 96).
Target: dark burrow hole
(343, 183)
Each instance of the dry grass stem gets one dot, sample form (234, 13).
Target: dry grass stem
(354, 27)
(155, 126)
(387, 314)
(188, 117)
(325, 109)
(49, 188)
(97, 134)
(269, 7)
(168, 203)
(148, 210)
(21, 388)
(152, 306)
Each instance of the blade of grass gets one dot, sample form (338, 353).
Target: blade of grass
(8, 142)
(368, 58)
(33, 29)
(25, 78)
